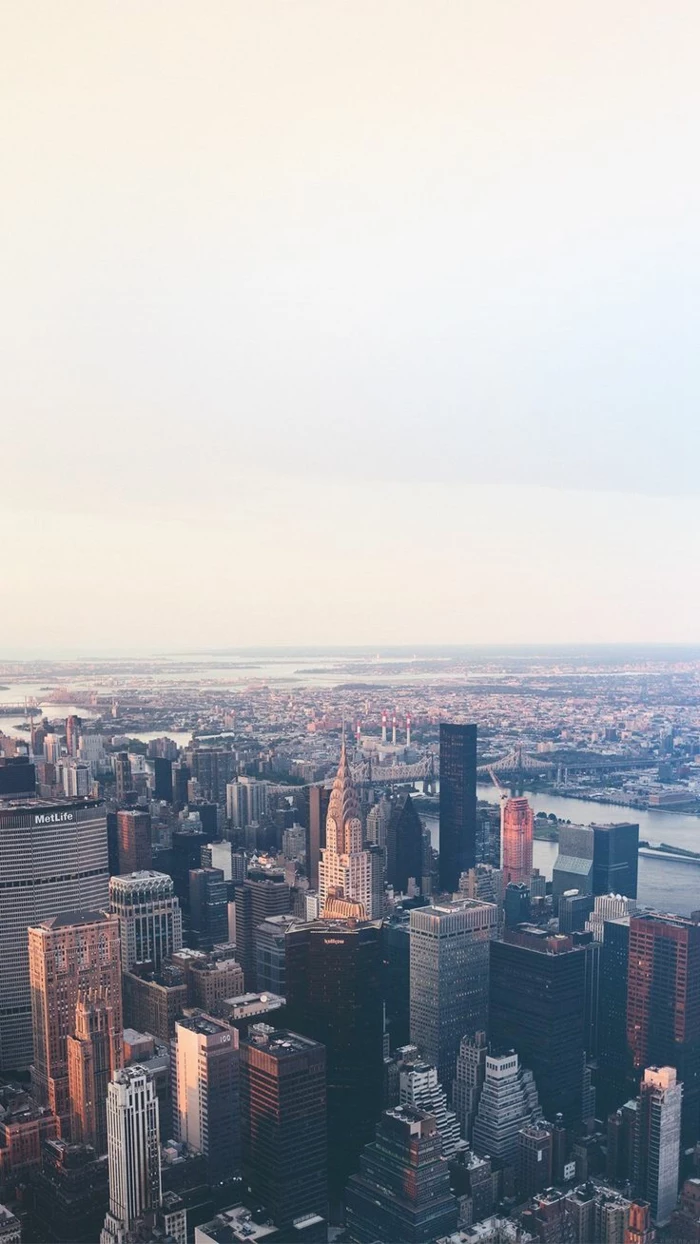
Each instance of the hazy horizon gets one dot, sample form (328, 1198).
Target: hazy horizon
(340, 323)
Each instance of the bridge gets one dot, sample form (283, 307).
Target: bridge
(516, 761)
(378, 775)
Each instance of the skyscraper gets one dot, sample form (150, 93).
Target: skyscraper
(404, 847)
(345, 869)
(134, 835)
(457, 804)
(419, 1086)
(401, 1194)
(334, 995)
(658, 1141)
(205, 1088)
(122, 775)
(94, 1052)
(615, 858)
(208, 908)
(517, 830)
(70, 956)
(449, 978)
(150, 920)
(663, 1004)
(319, 797)
(283, 1112)
(469, 1079)
(133, 1142)
(508, 1102)
(53, 859)
(614, 1060)
(264, 893)
(538, 1009)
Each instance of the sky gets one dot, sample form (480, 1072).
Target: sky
(348, 322)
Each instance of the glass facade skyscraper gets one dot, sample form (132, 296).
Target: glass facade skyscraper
(457, 804)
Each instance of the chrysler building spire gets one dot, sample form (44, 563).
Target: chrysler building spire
(345, 867)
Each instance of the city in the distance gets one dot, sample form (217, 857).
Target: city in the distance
(351, 945)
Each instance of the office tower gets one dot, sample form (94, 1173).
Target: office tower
(35, 838)
(614, 1060)
(508, 1102)
(17, 777)
(94, 1053)
(150, 920)
(533, 1159)
(73, 726)
(574, 910)
(212, 768)
(573, 867)
(345, 868)
(685, 1220)
(517, 831)
(615, 858)
(264, 893)
(402, 1191)
(24, 1126)
(122, 775)
(69, 1194)
(186, 854)
(319, 797)
(75, 779)
(663, 1004)
(69, 956)
(457, 804)
(537, 1007)
(205, 1089)
(180, 776)
(449, 978)
(516, 904)
(133, 1142)
(419, 1086)
(246, 801)
(271, 949)
(377, 906)
(208, 908)
(10, 1227)
(468, 1082)
(134, 832)
(153, 1000)
(162, 779)
(378, 819)
(658, 1141)
(334, 995)
(396, 961)
(283, 1115)
(404, 848)
(609, 907)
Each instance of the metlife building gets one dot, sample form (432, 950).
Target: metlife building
(53, 860)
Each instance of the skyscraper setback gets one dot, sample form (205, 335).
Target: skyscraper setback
(457, 804)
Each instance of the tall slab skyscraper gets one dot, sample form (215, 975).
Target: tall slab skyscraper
(457, 804)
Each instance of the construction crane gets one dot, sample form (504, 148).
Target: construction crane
(502, 794)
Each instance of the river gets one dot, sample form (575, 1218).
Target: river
(663, 884)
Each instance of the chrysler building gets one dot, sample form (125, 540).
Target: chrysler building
(344, 871)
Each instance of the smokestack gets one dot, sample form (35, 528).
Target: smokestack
(408, 729)
(383, 727)
(393, 731)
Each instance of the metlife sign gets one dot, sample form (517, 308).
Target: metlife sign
(53, 818)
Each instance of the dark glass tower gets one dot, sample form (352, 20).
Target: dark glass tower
(208, 908)
(614, 1063)
(537, 1007)
(457, 804)
(283, 1117)
(615, 859)
(334, 995)
(402, 1192)
(404, 847)
(663, 1004)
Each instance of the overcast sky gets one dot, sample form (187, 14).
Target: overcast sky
(371, 321)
